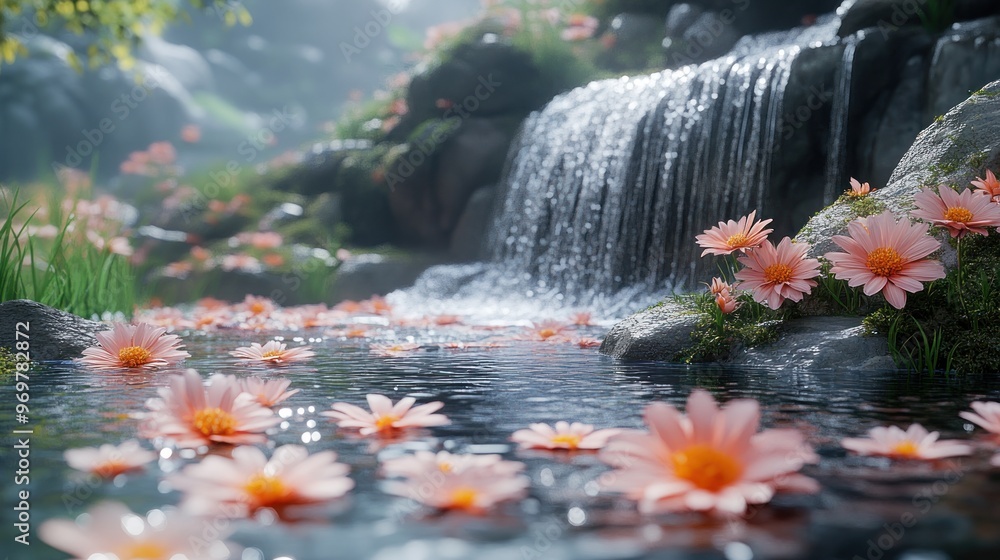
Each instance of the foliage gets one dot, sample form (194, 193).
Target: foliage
(717, 337)
(937, 15)
(115, 26)
(7, 362)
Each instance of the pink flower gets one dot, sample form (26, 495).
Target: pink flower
(249, 481)
(393, 350)
(914, 443)
(139, 346)
(546, 331)
(961, 213)
(109, 461)
(192, 415)
(588, 342)
(710, 460)
(773, 274)
(241, 262)
(719, 286)
(162, 153)
(726, 303)
(386, 418)
(273, 353)
(191, 133)
(582, 319)
(469, 483)
(268, 392)
(566, 436)
(988, 186)
(111, 530)
(858, 189)
(986, 416)
(732, 236)
(886, 256)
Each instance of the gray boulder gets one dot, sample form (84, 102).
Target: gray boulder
(52, 334)
(816, 343)
(657, 333)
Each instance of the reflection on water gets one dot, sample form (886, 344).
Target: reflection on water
(865, 506)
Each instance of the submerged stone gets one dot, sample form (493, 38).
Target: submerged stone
(52, 334)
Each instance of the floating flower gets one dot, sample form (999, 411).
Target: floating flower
(726, 303)
(960, 213)
(986, 416)
(710, 460)
(192, 415)
(588, 342)
(989, 186)
(582, 319)
(914, 443)
(886, 256)
(249, 481)
(134, 346)
(386, 418)
(393, 350)
(546, 331)
(191, 133)
(734, 236)
(109, 461)
(773, 274)
(470, 483)
(111, 530)
(571, 437)
(858, 189)
(268, 392)
(273, 352)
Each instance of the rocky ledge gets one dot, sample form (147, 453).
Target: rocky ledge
(52, 334)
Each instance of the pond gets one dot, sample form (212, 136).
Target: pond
(488, 393)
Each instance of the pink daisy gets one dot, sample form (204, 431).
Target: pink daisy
(469, 483)
(961, 213)
(859, 189)
(393, 350)
(249, 481)
(386, 418)
(109, 461)
(111, 530)
(734, 236)
(134, 346)
(273, 353)
(986, 416)
(268, 392)
(192, 415)
(588, 343)
(719, 286)
(914, 443)
(886, 256)
(989, 186)
(423, 462)
(773, 274)
(726, 303)
(710, 460)
(546, 331)
(564, 435)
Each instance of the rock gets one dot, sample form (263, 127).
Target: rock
(815, 343)
(889, 15)
(694, 35)
(364, 276)
(469, 236)
(953, 150)
(965, 60)
(53, 334)
(658, 333)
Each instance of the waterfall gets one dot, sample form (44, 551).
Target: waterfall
(836, 157)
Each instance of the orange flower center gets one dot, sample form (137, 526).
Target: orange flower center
(257, 308)
(885, 261)
(110, 469)
(905, 449)
(569, 440)
(385, 423)
(446, 467)
(958, 214)
(706, 467)
(145, 550)
(547, 333)
(264, 490)
(778, 273)
(272, 354)
(463, 498)
(214, 422)
(134, 356)
(737, 240)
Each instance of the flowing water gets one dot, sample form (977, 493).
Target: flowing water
(489, 394)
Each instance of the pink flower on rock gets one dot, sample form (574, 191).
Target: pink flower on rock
(732, 236)
(859, 189)
(914, 443)
(386, 418)
(773, 274)
(960, 213)
(710, 460)
(273, 353)
(565, 436)
(726, 303)
(109, 461)
(268, 392)
(986, 416)
(989, 186)
(719, 286)
(111, 530)
(192, 415)
(886, 256)
(249, 481)
(140, 346)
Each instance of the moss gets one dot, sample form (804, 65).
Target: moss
(978, 160)
(866, 206)
(7, 362)
(986, 93)
(749, 326)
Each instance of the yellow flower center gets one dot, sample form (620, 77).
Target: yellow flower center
(905, 449)
(272, 354)
(463, 498)
(145, 550)
(737, 240)
(214, 422)
(385, 423)
(958, 214)
(265, 490)
(885, 261)
(569, 440)
(706, 467)
(110, 468)
(446, 467)
(778, 273)
(547, 333)
(134, 356)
